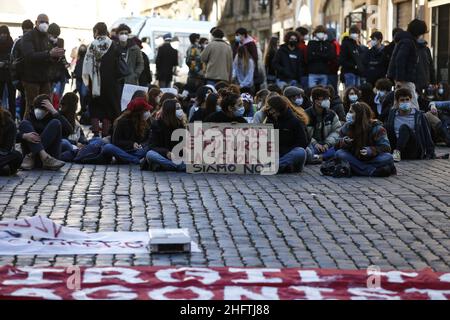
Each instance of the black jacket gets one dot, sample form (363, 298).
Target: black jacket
(425, 69)
(166, 60)
(375, 66)
(338, 107)
(403, 64)
(146, 76)
(35, 49)
(124, 136)
(350, 58)
(161, 138)
(221, 117)
(8, 136)
(422, 131)
(292, 131)
(320, 54)
(5, 57)
(288, 64)
(39, 125)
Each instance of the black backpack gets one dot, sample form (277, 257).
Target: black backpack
(336, 168)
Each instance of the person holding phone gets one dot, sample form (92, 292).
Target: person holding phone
(59, 75)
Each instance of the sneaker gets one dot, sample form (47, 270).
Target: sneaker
(28, 162)
(397, 156)
(52, 164)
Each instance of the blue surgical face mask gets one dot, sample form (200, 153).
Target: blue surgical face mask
(179, 114)
(405, 106)
(239, 112)
(299, 102)
(349, 118)
(353, 97)
(238, 38)
(441, 92)
(218, 108)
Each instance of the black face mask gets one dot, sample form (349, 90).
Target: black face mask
(293, 43)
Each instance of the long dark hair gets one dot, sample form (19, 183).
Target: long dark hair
(211, 104)
(168, 116)
(69, 105)
(229, 100)
(243, 58)
(361, 126)
(136, 117)
(5, 116)
(270, 51)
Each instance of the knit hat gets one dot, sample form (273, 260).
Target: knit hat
(54, 30)
(139, 104)
(292, 92)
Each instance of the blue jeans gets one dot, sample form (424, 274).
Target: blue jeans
(333, 80)
(83, 92)
(296, 157)
(318, 79)
(327, 155)
(352, 80)
(442, 105)
(50, 139)
(166, 164)
(281, 83)
(124, 157)
(365, 168)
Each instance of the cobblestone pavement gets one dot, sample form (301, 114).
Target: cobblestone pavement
(305, 221)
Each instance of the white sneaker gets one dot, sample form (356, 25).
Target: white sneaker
(397, 156)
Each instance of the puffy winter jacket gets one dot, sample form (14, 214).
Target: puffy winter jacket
(320, 54)
(403, 64)
(350, 58)
(375, 66)
(425, 69)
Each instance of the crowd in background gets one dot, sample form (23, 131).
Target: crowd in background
(392, 107)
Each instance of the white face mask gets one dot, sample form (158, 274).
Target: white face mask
(326, 104)
(53, 39)
(354, 36)
(179, 114)
(374, 43)
(299, 102)
(43, 27)
(146, 115)
(40, 114)
(123, 38)
(320, 36)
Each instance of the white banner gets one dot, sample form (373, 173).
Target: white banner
(41, 236)
(127, 94)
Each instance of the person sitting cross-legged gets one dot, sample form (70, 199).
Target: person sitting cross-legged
(408, 130)
(363, 143)
(41, 135)
(160, 156)
(130, 134)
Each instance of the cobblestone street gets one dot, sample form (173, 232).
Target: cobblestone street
(306, 221)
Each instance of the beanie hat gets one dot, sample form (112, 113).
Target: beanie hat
(292, 92)
(139, 104)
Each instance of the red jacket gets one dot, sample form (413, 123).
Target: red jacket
(334, 64)
(304, 50)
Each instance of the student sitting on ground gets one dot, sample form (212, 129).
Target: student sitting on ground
(130, 134)
(159, 158)
(232, 110)
(351, 95)
(383, 88)
(408, 129)
(198, 110)
(77, 139)
(293, 135)
(323, 127)
(364, 144)
(41, 133)
(10, 159)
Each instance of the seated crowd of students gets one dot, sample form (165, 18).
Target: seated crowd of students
(368, 129)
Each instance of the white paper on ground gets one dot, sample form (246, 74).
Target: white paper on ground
(41, 236)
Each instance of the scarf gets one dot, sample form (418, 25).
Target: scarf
(92, 63)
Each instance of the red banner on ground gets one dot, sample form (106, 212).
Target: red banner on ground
(172, 283)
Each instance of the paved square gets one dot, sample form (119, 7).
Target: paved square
(302, 221)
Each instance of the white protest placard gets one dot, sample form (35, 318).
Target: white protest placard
(169, 90)
(42, 236)
(127, 94)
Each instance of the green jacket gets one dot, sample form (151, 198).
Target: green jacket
(135, 62)
(323, 129)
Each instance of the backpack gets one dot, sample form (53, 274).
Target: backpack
(91, 154)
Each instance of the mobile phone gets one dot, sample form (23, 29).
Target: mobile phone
(60, 43)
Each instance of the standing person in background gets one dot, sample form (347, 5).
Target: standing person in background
(146, 78)
(194, 63)
(320, 55)
(243, 69)
(404, 61)
(38, 57)
(302, 45)
(101, 74)
(389, 49)
(203, 43)
(6, 44)
(269, 55)
(375, 66)
(218, 57)
(242, 38)
(425, 68)
(289, 61)
(17, 65)
(58, 73)
(166, 62)
(333, 78)
(351, 59)
(78, 74)
(131, 53)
